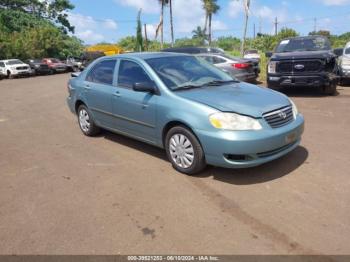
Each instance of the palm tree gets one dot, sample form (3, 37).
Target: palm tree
(199, 35)
(171, 22)
(161, 22)
(211, 7)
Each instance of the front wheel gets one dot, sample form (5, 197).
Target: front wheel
(330, 89)
(184, 151)
(86, 123)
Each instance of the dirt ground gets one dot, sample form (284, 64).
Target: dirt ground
(64, 193)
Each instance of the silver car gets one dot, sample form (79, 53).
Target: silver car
(243, 69)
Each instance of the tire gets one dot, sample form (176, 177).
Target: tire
(86, 123)
(9, 75)
(184, 151)
(331, 89)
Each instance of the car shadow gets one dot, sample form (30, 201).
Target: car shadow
(255, 175)
(260, 174)
(302, 91)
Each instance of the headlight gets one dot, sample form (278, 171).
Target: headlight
(232, 121)
(271, 68)
(295, 109)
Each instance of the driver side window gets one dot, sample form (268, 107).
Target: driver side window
(131, 73)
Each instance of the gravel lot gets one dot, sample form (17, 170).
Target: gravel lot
(64, 193)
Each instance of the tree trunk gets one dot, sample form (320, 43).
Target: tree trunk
(206, 23)
(162, 26)
(244, 33)
(210, 16)
(171, 23)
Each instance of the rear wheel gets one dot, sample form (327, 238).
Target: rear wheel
(86, 123)
(330, 89)
(184, 150)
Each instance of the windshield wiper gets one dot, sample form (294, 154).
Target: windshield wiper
(220, 82)
(187, 87)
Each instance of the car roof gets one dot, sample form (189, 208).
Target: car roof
(146, 55)
(8, 60)
(306, 37)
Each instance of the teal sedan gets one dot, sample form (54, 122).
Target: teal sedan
(198, 113)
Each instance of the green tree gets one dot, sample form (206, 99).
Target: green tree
(139, 39)
(210, 7)
(54, 10)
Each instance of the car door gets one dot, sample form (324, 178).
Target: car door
(2, 69)
(135, 112)
(98, 91)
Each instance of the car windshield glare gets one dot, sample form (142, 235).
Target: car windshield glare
(14, 62)
(303, 44)
(177, 72)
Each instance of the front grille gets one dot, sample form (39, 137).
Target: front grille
(279, 117)
(292, 66)
(44, 66)
(275, 151)
(22, 67)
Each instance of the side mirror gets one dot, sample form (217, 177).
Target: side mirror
(338, 51)
(75, 74)
(268, 54)
(148, 87)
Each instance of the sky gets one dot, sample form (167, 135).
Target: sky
(111, 20)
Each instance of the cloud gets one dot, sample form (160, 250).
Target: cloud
(235, 8)
(336, 2)
(90, 36)
(91, 30)
(110, 24)
(148, 6)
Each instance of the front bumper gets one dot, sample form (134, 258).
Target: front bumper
(20, 72)
(241, 149)
(345, 72)
(316, 80)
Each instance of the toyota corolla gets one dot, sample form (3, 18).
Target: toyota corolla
(198, 113)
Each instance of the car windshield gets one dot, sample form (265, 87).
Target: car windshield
(181, 72)
(303, 44)
(347, 51)
(54, 60)
(14, 62)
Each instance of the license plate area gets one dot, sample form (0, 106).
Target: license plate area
(290, 138)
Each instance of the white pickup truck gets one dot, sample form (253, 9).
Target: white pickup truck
(14, 67)
(344, 64)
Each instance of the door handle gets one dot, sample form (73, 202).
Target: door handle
(117, 94)
(87, 87)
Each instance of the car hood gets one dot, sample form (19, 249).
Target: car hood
(240, 98)
(303, 55)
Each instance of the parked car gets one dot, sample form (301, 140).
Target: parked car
(194, 50)
(38, 67)
(252, 54)
(74, 64)
(243, 69)
(344, 64)
(14, 67)
(55, 65)
(303, 61)
(88, 57)
(198, 113)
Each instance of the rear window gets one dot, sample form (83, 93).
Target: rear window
(102, 73)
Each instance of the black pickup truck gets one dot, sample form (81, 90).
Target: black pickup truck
(303, 61)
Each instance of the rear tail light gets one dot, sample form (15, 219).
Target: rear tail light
(241, 65)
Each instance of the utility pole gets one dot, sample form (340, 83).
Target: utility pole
(146, 39)
(276, 26)
(254, 34)
(315, 24)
